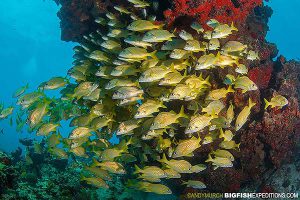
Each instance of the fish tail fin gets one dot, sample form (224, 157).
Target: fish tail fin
(153, 54)
(230, 89)
(251, 104)
(164, 159)
(181, 113)
(221, 133)
(206, 81)
(160, 26)
(267, 104)
(137, 169)
(209, 158)
(233, 27)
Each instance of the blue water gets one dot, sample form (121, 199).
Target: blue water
(31, 50)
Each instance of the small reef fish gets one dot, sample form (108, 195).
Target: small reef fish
(244, 115)
(244, 83)
(20, 91)
(241, 69)
(6, 112)
(142, 25)
(197, 27)
(186, 147)
(47, 128)
(219, 93)
(229, 145)
(181, 166)
(276, 101)
(97, 182)
(219, 161)
(158, 36)
(165, 119)
(54, 83)
(148, 108)
(194, 184)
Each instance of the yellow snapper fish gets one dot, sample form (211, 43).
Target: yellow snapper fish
(153, 134)
(100, 122)
(53, 140)
(197, 27)
(207, 61)
(223, 154)
(148, 108)
(54, 83)
(245, 84)
(110, 166)
(180, 166)
(84, 89)
(185, 35)
(99, 56)
(111, 45)
(229, 145)
(142, 25)
(198, 168)
(6, 112)
(26, 100)
(252, 55)
(38, 113)
(147, 64)
(186, 147)
(156, 188)
(195, 46)
(139, 3)
(230, 113)
(179, 54)
(104, 71)
(224, 61)
(60, 153)
(207, 35)
(80, 132)
(117, 33)
(79, 151)
(165, 119)
(219, 161)
(137, 41)
(214, 44)
(173, 44)
(197, 82)
(110, 15)
(154, 74)
(276, 101)
(172, 173)
(227, 135)
(45, 129)
(218, 94)
(198, 123)
(194, 184)
(219, 122)
(127, 127)
(113, 83)
(129, 101)
(127, 92)
(180, 92)
(233, 46)
(101, 173)
(20, 91)
(122, 9)
(208, 139)
(158, 36)
(136, 53)
(111, 154)
(214, 107)
(223, 30)
(172, 78)
(97, 182)
(150, 171)
(244, 115)
(124, 70)
(241, 69)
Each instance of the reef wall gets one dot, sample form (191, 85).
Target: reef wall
(271, 135)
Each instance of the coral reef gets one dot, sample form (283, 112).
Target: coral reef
(225, 11)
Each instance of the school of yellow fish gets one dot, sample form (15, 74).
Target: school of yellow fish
(154, 90)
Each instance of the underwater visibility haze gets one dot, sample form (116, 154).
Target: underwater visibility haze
(141, 99)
